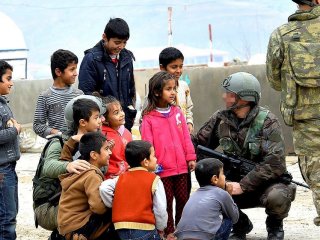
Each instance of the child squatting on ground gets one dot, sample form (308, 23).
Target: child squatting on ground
(82, 115)
(82, 213)
(211, 207)
(165, 127)
(137, 197)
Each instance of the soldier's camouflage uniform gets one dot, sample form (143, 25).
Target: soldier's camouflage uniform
(293, 67)
(260, 186)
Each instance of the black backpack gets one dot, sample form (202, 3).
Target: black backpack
(45, 189)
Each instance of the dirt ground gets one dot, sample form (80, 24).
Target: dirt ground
(298, 225)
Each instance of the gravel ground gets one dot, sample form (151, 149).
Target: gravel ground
(298, 225)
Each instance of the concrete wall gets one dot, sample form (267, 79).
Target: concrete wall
(206, 92)
(205, 88)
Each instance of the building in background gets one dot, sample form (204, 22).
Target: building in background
(149, 57)
(13, 47)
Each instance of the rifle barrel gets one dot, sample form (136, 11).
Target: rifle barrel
(222, 156)
(300, 184)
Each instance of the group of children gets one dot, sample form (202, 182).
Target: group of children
(120, 172)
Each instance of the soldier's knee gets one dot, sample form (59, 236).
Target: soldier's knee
(278, 201)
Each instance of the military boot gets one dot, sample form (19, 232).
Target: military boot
(241, 228)
(274, 228)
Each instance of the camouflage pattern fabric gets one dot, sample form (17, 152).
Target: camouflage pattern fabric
(293, 67)
(260, 185)
(310, 168)
(306, 137)
(276, 199)
(269, 141)
(46, 215)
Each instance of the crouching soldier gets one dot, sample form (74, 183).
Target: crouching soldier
(252, 132)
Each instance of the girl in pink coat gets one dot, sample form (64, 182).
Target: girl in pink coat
(165, 127)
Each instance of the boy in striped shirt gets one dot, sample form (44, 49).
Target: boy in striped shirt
(49, 114)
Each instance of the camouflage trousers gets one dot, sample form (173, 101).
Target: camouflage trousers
(276, 199)
(46, 216)
(306, 140)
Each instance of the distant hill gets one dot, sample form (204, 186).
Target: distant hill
(240, 27)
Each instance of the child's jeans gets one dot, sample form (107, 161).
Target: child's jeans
(98, 227)
(224, 230)
(134, 234)
(8, 201)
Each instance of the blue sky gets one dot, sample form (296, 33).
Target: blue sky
(240, 27)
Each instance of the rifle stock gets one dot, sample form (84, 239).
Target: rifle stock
(237, 167)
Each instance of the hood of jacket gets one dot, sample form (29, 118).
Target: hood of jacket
(68, 179)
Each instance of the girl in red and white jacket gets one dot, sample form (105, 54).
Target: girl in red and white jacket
(165, 127)
(113, 128)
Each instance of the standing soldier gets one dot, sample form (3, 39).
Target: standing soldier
(293, 67)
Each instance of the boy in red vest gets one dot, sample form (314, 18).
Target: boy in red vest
(137, 197)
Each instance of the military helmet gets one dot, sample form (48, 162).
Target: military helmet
(68, 111)
(245, 85)
(307, 2)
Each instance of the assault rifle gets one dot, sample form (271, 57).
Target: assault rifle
(237, 167)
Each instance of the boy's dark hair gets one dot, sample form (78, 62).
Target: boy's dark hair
(117, 28)
(61, 59)
(82, 109)
(137, 151)
(156, 85)
(168, 55)
(4, 66)
(91, 141)
(206, 168)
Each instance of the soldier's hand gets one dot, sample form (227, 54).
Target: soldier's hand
(78, 166)
(236, 188)
(192, 165)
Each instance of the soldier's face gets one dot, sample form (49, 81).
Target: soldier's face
(229, 98)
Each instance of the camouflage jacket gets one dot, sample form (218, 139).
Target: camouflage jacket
(293, 64)
(270, 161)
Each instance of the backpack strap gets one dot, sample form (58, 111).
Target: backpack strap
(253, 132)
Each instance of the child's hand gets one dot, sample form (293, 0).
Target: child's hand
(229, 188)
(190, 127)
(54, 131)
(192, 165)
(161, 233)
(78, 166)
(16, 124)
(10, 123)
